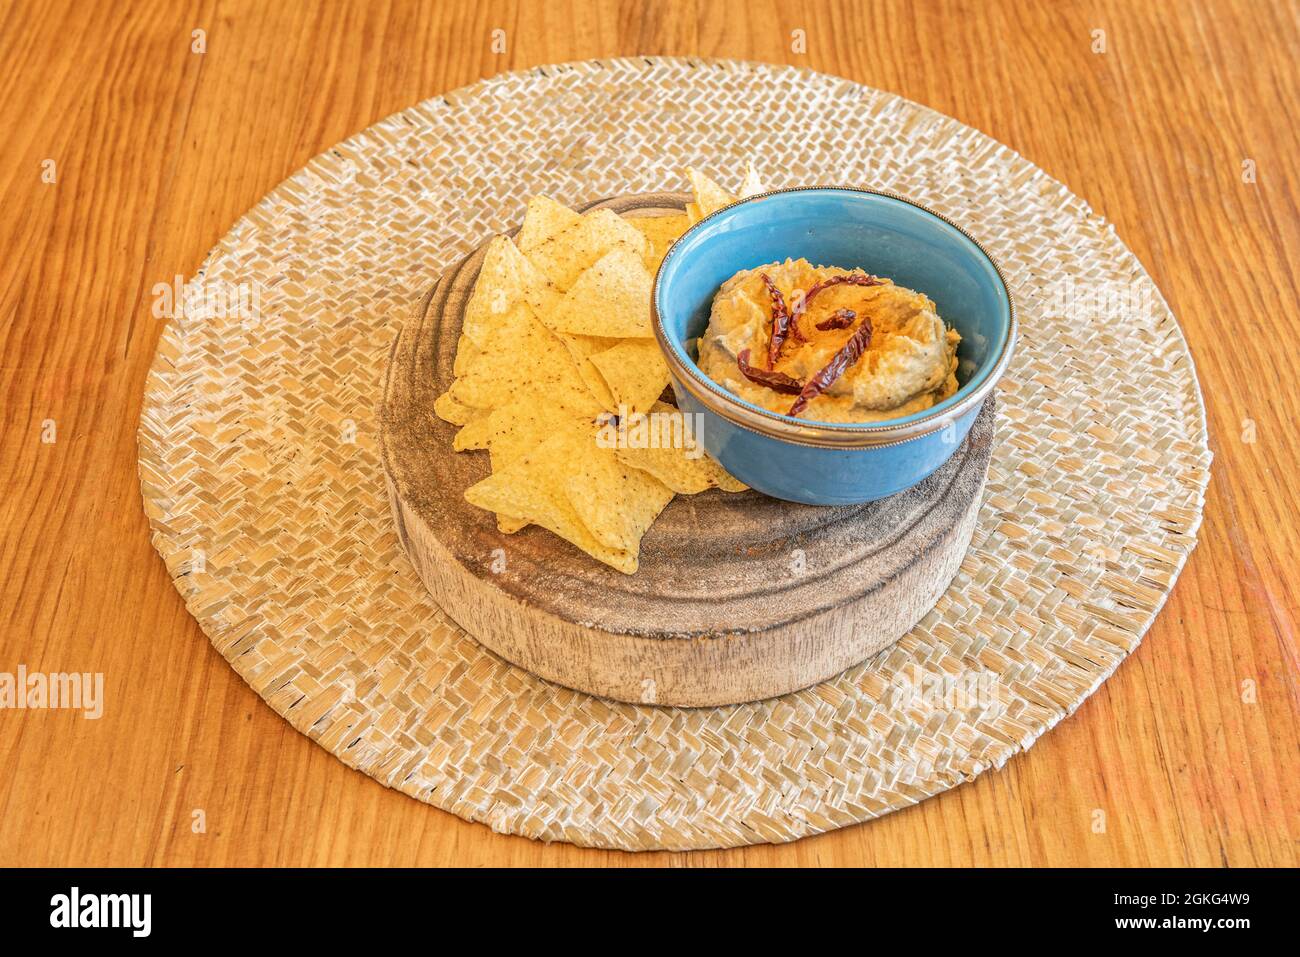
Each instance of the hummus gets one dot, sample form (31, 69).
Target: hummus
(909, 365)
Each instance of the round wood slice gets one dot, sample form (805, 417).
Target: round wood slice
(738, 597)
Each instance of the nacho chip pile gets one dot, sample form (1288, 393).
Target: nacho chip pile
(558, 378)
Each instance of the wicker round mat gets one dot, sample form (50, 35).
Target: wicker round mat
(264, 489)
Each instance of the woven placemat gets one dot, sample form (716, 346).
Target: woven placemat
(263, 485)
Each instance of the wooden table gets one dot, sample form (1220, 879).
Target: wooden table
(1182, 133)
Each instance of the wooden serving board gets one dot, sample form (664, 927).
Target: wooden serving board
(738, 597)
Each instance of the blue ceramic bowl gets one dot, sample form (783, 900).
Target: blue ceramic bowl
(824, 463)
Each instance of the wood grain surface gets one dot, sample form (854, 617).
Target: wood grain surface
(1183, 133)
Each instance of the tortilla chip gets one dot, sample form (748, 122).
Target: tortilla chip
(473, 435)
(729, 483)
(533, 489)
(466, 353)
(505, 279)
(582, 348)
(565, 256)
(479, 381)
(635, 372)
(449, 410)
(660, 233)
(545, 218)
(752, 185)
(508, 524)
(523, 354)
(616, 502)
(611, 298)
(708, 195)
(665, 445)
(557, 333)
(517, 428)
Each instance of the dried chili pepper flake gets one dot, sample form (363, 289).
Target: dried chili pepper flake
(778, 300)
(849, 279)
(780, 320)
(839, 319)
(796, 310)
(840, 363)
(776, 381)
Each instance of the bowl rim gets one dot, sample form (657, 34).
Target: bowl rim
(829, 434)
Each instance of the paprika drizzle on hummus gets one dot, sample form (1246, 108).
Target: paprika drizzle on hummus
(828, 344)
